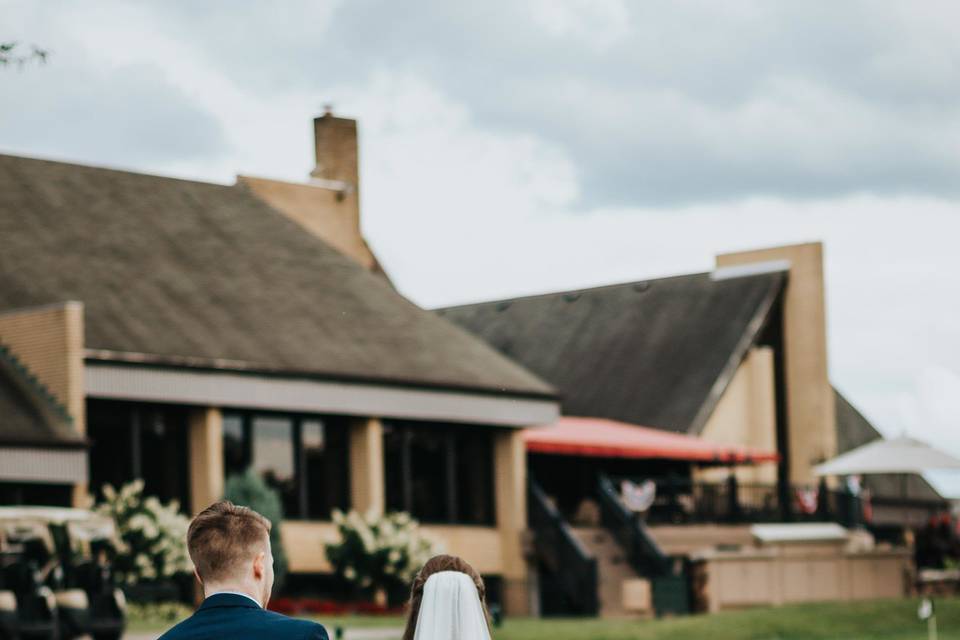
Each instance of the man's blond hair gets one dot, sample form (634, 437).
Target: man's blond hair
(223, 537)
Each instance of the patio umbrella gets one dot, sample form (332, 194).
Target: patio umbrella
(899, 455)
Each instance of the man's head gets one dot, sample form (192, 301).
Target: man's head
(230, 549)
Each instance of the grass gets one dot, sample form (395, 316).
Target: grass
(874, 620)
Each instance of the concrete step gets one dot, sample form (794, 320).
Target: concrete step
(613, 570)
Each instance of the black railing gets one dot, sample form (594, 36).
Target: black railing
(644, 554)
(562, 553)
(684, 501)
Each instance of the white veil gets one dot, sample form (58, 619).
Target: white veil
(450, 609)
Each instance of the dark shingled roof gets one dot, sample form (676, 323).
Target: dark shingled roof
(656, 353)
(182, 269)
(29, 414)
(854, 430)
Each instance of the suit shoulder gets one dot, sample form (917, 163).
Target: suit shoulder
(297, 628)
(176, 630)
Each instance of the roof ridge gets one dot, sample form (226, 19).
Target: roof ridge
(603, 287)
(111, 169)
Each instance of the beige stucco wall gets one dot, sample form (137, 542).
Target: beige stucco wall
(746, 415)
(802, 573)
(304, 543)
(810, 401)
(48, 340)
(331, 215)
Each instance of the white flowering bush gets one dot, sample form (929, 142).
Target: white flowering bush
(379, 552)
(153, 536)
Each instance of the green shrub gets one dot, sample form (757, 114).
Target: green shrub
(249, 490)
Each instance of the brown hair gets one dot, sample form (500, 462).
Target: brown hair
(223, 536)
(434, 565)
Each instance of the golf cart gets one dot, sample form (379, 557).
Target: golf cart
(68, 553)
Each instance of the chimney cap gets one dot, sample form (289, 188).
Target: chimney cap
(327, 108)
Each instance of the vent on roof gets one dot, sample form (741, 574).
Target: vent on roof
(571, 297)
(503, 306)
(640, 287)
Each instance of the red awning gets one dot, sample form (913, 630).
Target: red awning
(602, 438)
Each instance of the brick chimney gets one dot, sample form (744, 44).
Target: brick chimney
(328, 206)
(336, 150)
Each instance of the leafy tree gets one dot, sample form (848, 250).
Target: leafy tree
(11, 53)
(249, 490)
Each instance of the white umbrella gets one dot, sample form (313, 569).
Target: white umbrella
(900, 455)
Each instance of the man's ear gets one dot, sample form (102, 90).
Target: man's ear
(197, 576)
(258, 565)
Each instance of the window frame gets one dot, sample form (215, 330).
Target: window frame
(247, 417)
(449, 433)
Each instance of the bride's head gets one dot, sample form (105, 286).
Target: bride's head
(440, 564)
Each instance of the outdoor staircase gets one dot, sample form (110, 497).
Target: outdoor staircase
(613, 569)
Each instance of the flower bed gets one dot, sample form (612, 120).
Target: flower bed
(317, 606)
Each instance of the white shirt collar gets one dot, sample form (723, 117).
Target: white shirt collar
(236, 593)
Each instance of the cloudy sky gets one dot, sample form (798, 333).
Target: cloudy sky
(520, 147)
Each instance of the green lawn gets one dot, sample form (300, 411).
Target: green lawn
(878, 620)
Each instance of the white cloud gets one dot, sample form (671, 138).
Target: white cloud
(510, 151)
(599, 24)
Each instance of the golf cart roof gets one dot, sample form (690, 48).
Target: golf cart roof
(53, 515)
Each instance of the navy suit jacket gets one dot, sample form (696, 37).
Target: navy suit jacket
(226, 615)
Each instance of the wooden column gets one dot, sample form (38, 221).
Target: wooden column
(366, 465)
(510, 486)
(206, 457)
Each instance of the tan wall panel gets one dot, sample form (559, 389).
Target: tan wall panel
(687, 539)
(810, 400)
(332, 216)
(765, 577)
(49, 341)
(482, 547)
(304, 543)
(745, 415)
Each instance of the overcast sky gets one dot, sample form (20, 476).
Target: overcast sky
(519, 147)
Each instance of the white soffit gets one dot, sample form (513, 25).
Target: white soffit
(48, 466)
(249, 391)
(750, 269)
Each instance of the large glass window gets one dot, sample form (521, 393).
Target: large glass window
(439, 473)
(304, 458)
(273, 457)
(236, 456)
(138, 440)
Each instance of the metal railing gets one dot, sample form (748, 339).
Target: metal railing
(684, 501)
(644, 554)
(562, 553)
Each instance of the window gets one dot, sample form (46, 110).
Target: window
(439, 473)
(325, 462)
(138, 440)
(304, 458)
(273, 457)
(236, 457)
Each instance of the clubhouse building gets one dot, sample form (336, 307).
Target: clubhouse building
(179, 332)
